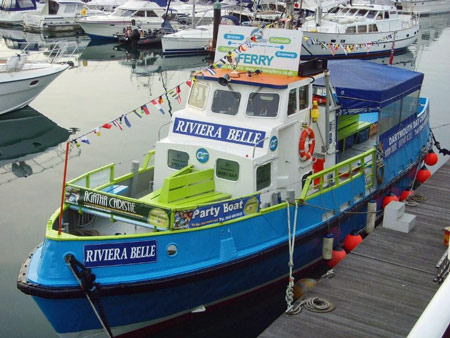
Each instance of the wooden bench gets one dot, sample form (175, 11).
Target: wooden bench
(186, 188)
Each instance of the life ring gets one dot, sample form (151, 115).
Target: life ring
(306, 148)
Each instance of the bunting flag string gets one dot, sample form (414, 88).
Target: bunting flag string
(347, 47)
(175, 92)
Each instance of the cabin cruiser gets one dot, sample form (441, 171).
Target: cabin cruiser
(21, 80)
(358, 30)
(145, 15)
(57, 16)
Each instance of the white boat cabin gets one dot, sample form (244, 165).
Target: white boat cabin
(248, 128)
(359, 18)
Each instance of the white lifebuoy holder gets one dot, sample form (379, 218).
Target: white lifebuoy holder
(306, 144)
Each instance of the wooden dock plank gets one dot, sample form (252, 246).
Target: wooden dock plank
(383, 286)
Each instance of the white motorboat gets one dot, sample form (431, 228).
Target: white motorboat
(188, 41)
(58, 16)
(12, 11)
(424, 7)
(359, 30)
(147, 15)
(22, 81)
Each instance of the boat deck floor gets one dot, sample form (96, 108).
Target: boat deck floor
(382, 287)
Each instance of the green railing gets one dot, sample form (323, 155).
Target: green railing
(340, 174)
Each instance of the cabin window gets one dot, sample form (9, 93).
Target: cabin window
(303, 97)
(226, 169)
(351, 29)
(361, 12)
(151, 14)
(371, 14)
(53, 7)
(140, 14)
(226, 102)
(393, 13)
(292, 103)
(386, 15)
(263, 104)
(177, 159)
(21, 4)
(263, 176)
(352, 11)
(122, 12)
(390, 116)
(373, 28)
(362, 29)
(198, 95)
(70, 8)
(299, 95)
(410, 105)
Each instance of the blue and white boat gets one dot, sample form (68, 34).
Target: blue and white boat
(12, 11)
(253, 173)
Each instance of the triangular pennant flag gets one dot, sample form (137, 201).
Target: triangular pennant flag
(127, 123)
(158, 106)
(85, 140)
(178, 91)
(145, 109)
(160, 100)
(189, 83)
(117, 124)
(107, 126)
(138, 113)
(97, 131)
(210, 70)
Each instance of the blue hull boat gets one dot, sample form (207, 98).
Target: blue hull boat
(261, 165)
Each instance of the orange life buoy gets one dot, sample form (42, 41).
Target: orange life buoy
(306, 148)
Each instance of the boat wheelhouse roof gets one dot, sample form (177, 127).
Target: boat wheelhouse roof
(260, 80)
(366, 85)
(17, 5)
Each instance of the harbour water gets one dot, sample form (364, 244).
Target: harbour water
(105, 83)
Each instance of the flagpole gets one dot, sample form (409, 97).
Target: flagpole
(63, 188)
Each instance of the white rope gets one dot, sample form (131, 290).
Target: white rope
(291, 241)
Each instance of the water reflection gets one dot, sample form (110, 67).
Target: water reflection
(26, 135)
(18, 40)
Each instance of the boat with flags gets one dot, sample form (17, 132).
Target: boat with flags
(272, 163)
(359, 29)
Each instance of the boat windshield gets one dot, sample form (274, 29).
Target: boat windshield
(226, 102)
(122, 12)
(73, 8)
(352, 11)
(371, 14)
(263, 104)
(361, 12)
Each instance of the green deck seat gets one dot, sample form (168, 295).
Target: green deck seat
(186, 188)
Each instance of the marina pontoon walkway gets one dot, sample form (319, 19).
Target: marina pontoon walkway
(382, 287)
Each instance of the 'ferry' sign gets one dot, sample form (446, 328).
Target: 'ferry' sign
(275, 51)
(214, 131)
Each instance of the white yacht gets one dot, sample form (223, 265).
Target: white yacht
(147, 15)
(57, 16)
(358, 30)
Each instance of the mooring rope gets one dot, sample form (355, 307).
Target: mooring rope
(291, 241)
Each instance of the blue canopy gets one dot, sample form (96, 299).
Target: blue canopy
(366, 86)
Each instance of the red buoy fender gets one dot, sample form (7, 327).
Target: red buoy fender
(306, 148)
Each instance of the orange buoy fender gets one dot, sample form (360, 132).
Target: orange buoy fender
(338, 255)
(431, 158)
(306, 144)
(405, 194)
(388, 199)
(352, 241)
(423, 174)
